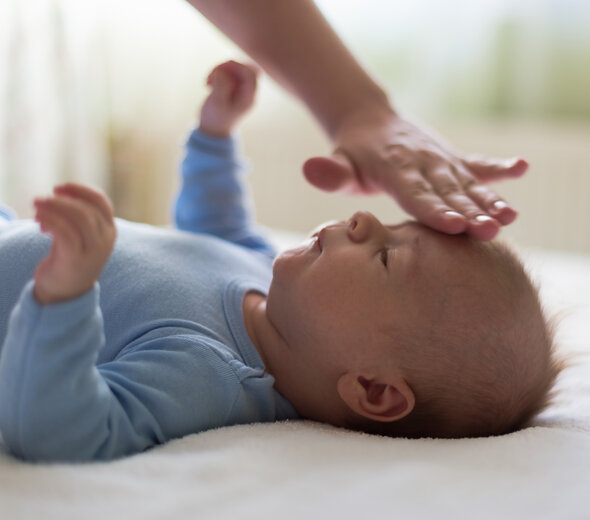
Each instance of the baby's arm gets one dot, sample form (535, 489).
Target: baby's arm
(55, 402)
(81, 223)
(48, 381)
(214, 197)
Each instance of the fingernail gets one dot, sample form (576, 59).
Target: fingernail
(499, 205)
(509, 163)
(453, 214)
(483, 218)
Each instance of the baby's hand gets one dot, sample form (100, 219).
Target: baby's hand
(80, 220)
(233, 86)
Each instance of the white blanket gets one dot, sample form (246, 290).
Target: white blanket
(308, 470)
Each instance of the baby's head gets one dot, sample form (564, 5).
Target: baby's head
(404, 331)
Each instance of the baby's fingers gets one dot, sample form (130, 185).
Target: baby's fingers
(247, 78)
(222, 86)
(89, 195)
(78, 215)
(64, 233)
(234, 83)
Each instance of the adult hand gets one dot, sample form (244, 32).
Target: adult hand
(379, 151)
(80, 220)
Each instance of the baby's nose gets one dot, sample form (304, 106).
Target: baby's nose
(362, 225)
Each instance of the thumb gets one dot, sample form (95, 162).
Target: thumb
(330, 173)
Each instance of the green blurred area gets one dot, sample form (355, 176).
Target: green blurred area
(486, 59)
(522, 79)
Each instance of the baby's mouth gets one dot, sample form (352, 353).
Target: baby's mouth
(312, 242)
(317, 239)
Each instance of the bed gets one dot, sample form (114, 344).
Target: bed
(303, 469)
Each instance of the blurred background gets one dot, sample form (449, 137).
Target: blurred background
(105, 92)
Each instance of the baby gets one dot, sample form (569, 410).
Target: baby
(396, 330)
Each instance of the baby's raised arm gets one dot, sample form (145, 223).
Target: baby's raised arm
(80, 220)
(215, 198)
(233, 87)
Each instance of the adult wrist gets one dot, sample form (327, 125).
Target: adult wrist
(371, 108)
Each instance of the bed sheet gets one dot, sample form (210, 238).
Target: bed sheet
(303, 469)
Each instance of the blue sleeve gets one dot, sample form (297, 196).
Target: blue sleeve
(56, 404)
(214, 196)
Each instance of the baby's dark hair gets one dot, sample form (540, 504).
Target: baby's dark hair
(487, 361)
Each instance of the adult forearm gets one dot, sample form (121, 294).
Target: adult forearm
(295, 45)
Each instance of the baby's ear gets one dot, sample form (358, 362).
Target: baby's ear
(383, 400)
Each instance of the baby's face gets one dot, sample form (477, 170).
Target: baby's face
(345, 287)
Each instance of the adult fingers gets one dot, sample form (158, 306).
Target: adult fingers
(417, 196)
(490, 170)
(461, 191)
(488, 200)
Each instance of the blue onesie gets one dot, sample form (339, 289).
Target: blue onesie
(158, 348)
